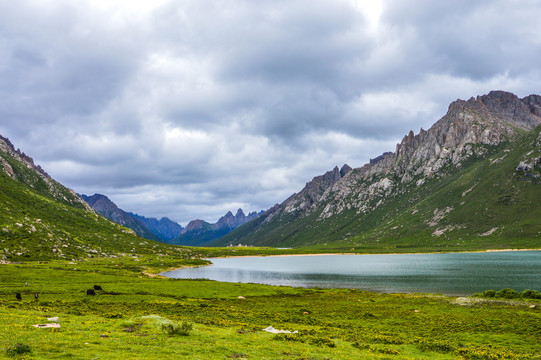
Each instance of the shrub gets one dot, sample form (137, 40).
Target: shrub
(173, 328)
(443, 346)
(507, 293)
(18, 349)
(530, 294)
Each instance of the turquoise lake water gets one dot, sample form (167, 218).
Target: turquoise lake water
(449, 274)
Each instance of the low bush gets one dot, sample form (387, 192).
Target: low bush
(173, 328)
(509, 293)
(18, 349)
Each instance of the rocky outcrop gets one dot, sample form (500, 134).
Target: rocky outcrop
(21, 167)
(471, 128)
(230, 221)
(310, 195)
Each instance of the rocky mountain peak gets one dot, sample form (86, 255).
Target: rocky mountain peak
(240, 214)
(199, 232)
(469, 128)
(345, 169)
(512, 109)
(7, 146)
(312, 192)
(196, 225)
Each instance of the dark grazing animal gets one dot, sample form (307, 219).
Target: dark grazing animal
(36, 296)
(97, 287)
(90, 292)
(18, 296)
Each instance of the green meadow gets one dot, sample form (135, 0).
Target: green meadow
(141, 315)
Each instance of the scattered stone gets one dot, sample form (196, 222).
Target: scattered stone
(272, 330)
(241, 297)
(489, 232)
(43, 326)
(53, 319)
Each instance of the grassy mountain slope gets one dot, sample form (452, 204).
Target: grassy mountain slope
(40, 219)
(484, 203)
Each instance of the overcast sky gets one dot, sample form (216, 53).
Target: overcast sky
(189, 109)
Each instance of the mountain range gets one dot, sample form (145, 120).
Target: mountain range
(197, 232)
(109, 210)
(471, 181)
(202, 233)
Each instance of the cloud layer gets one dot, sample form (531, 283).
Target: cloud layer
(189, 109)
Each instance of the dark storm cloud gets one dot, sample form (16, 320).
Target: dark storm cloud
(189, 109)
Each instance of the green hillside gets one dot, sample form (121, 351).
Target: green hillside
(37, 223)
(485, 203)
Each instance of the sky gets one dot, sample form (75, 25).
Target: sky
(192, 108)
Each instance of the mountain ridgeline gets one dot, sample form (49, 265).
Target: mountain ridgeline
(109, 210)
(201, 233)
(472, 181)
(196, 233)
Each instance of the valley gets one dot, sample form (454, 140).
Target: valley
(470, 183)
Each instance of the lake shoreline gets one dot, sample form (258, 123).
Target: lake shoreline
(352, 253)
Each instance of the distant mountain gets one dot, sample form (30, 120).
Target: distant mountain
(196, 233)
(40, 219)
(200, 232)
(472, 181)
(164, 228)
(110, 210)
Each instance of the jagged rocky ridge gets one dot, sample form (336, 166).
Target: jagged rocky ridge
(468, 129)
(197, 232)
(471, 129)
(21, 167)
(200, 233)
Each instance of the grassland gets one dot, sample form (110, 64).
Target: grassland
(126, 319)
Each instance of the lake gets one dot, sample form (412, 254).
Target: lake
(450, 274)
